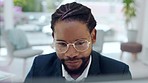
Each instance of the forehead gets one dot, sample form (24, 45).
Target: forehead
(70, 30)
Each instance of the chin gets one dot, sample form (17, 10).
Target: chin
(75, 67)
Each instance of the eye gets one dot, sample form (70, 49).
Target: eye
(80, 42)
(62, 44)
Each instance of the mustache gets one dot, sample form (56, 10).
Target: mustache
(72, 59)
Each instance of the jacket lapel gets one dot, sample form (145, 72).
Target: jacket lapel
(58, 68)
(95, 65)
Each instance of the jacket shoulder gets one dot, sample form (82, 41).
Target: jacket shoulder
(46, 57)
(46, 60)
(109, 65)
(45, 63)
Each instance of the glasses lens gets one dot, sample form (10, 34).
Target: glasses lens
(61, 46)
(81, 45)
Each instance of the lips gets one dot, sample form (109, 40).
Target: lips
(73, 63)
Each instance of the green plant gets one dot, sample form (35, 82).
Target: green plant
(129, 11)
(20, 3)
(28, 5)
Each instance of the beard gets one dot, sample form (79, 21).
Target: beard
(80, 70)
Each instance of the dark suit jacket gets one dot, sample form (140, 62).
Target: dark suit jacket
(102, 69)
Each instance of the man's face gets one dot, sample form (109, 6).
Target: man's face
(66, 32)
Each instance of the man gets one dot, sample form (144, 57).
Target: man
(74, 34)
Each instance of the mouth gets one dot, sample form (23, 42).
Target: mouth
(72, 64)
(72, 61)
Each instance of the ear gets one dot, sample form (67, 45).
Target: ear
(53, 34)
(93, 35)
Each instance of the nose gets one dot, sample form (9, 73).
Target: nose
(71, 52)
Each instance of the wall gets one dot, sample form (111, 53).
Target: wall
(142, 25)
(8, 14)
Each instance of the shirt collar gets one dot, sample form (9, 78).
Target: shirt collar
(81, 77)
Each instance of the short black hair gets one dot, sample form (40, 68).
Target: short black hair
(74, 11)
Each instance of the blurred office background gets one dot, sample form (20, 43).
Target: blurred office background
(34, 16)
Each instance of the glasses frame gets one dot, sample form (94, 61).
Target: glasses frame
(73, 44)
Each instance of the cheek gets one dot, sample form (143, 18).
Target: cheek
(86, 53)
(60, 55)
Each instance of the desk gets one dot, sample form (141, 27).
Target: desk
(6, 77)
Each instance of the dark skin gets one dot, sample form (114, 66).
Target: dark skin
(70, 31)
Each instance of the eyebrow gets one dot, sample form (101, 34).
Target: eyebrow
(60, 40)
(74, 40)
(81, 39)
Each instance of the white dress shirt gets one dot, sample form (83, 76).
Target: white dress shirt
(81, 77)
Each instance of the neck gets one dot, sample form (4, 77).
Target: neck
(75, 76)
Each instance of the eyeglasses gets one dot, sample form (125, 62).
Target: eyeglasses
(79, 45)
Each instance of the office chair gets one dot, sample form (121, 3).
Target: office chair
(18, 46)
